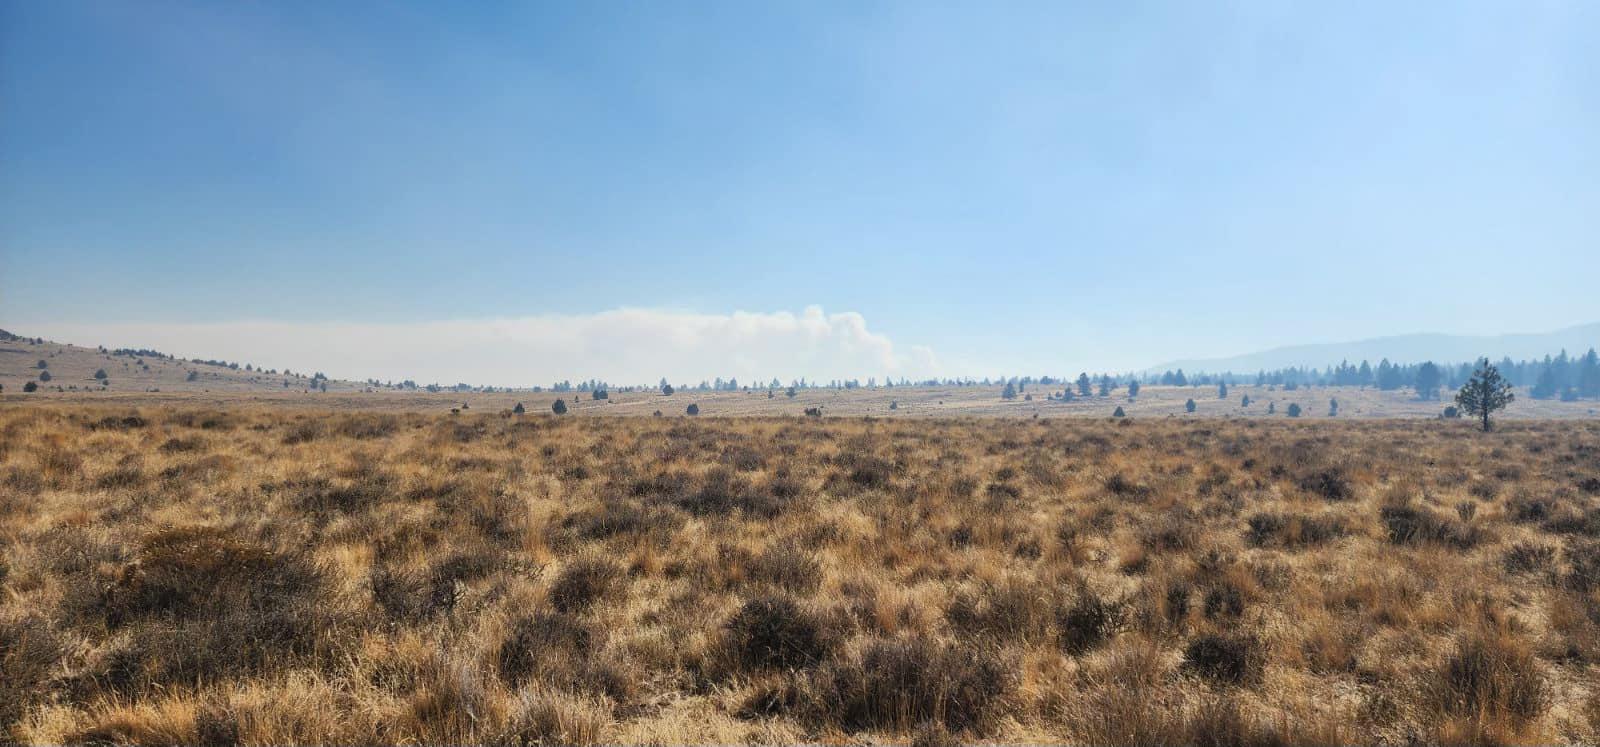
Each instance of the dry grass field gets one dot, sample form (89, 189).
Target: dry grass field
(275, 575)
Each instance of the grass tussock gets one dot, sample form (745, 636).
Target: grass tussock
(257, 576)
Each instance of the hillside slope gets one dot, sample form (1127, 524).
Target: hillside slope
(73, 368)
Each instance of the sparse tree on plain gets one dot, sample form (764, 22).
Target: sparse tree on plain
(559, 407)
(692, 409)
(519, 409)
(1083, 384)
(1118, 413)
(1294, 410)
(1189, 406)
(1222, 390)
(1010, 392)
(1484, 393)
(1333, 407)
(1133, 389)
(101, 374)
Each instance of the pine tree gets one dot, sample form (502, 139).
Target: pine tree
(1083, 384)
(560, 407)
(1589, 375)
(1427, 383)
(1189, 406)
(1484, 393)
(1222, 390)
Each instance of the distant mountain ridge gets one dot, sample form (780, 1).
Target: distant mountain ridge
(1414, 348)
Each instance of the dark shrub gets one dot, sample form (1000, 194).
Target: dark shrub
(1407, 524)
(543, 643)
(559, 407)
(1489, 675)
(1226, 660)
(1293, 530)
(772, 632)
(1527, 557)
(787, 566)
(1223, 600)
(583, 582)
(1527, 509)
(898, 684)
(203, 602)
(1331, 484)
(692, 409)
(29, 651)
(1088, 622)
(1584, 559)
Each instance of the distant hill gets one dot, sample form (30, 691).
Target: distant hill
(1401, 349)
(74, 368)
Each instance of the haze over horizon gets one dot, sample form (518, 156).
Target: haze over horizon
(847, 190)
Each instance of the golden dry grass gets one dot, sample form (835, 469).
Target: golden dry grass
(267, 576)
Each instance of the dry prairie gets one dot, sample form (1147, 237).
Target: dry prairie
(273, 575)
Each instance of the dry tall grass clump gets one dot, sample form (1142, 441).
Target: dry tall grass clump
(261, 576)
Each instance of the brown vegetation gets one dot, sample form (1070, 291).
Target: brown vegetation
(267, 576)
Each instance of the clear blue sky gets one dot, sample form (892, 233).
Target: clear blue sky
(1019, 187)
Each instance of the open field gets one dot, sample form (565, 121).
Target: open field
(273, 575)
(919, 403)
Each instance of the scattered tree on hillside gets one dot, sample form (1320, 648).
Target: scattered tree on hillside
(1484, 393)
(1083, 384)
(194, 375)
(1272, 407)
(1133, 389)
(1333, 407)
(693, 409)
(32, 386)
(790, 394)
(519, 409)
(44, 376)
(601, 394)
(1222, 390)
(100, 374)
(1189, 406)
(1244, 401)
(1117, 413)
(1294, 410)
(559, 407)
(41, 365)
(1010, 392)
(666, 389)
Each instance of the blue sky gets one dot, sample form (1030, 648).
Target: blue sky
(976, 188)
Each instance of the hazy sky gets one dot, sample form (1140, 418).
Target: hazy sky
(980, 189)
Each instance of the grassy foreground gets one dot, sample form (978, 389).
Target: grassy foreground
(265, 576)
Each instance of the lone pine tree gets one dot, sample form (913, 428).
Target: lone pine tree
(1484, 393)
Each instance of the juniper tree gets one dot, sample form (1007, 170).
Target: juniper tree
(1484, 393)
